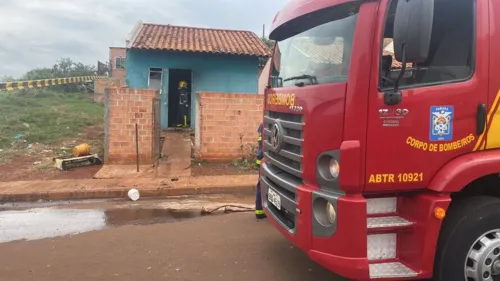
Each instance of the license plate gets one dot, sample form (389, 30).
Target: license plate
(274, 198)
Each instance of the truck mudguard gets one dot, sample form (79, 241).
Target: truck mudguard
(465, 169)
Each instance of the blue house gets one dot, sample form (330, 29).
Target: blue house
(209, 60)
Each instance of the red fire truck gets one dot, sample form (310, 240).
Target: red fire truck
(380, 162)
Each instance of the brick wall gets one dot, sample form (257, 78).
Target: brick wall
(115, 52)
(227, 121)
(125, 108)
(101, 84)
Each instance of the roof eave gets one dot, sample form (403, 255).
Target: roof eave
(134, 33)
(199, 52)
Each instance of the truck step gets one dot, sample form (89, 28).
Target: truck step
(387, 222)
(390, 270)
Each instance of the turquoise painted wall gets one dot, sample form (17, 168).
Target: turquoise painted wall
(210, 73)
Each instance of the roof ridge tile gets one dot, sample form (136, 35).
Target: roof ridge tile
(196, 39)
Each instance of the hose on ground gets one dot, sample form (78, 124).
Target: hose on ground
(227, 209)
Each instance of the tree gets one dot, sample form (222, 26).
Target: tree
(68, 68)
(38, 74)
(270, 44)
(61, 69)
(7, 78)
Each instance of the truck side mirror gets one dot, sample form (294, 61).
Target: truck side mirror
(412, 38)
(413, 29)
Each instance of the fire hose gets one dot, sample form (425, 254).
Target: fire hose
(227, 209)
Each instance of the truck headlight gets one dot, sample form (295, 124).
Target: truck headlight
(331, 214)
(324, 212)
(328, 167)
(334, 168)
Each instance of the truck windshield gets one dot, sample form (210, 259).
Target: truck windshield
(319, 54)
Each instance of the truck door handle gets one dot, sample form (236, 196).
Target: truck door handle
(481, 118)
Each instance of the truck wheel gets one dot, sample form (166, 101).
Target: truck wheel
(469, 243)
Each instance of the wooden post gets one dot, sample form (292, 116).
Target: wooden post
(137, 145)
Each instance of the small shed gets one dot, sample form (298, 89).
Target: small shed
(210, 60)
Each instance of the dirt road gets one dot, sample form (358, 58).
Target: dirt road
(219, 247)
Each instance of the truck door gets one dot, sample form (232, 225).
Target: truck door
(437, 118)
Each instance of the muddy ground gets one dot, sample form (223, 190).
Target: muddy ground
(35, 161)
(219, 169)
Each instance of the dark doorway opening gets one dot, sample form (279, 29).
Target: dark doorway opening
(174, 77)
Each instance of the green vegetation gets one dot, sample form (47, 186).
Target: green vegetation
(248, 156)
(46, 116)
(64, 67)
(270, 44)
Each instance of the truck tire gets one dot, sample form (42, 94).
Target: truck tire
(469, 243)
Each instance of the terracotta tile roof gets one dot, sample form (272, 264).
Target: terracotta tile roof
(203, 40)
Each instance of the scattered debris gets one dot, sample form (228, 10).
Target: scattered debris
(133, 194)
(19, 136)
(81, 150)
(37, 163)
(68, 162)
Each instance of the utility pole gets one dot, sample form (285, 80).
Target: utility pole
(263, 31)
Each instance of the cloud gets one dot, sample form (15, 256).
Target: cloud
(36, 33)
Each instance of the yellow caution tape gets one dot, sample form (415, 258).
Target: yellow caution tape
(9, 86)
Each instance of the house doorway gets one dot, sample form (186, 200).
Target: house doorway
(174, 77)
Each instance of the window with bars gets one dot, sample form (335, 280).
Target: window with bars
(119, 63)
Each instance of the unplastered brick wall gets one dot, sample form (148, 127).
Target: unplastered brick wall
(124, 109)
(101, 84)
(115, 52)
(228, 121)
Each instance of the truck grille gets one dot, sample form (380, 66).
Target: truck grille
(282, 171)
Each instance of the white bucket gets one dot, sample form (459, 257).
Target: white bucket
(133, 194)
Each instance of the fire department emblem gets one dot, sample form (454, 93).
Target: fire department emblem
(441, 123)
(276, 136)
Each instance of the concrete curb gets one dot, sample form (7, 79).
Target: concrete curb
(121, 193)
(116, 189)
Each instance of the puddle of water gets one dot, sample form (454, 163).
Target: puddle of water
(176, 202)
(118, 217)
(4, 206)
(42, 223)
(40, 220)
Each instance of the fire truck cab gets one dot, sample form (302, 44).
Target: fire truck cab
(381, 136)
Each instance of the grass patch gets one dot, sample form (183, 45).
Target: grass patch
(46, 116)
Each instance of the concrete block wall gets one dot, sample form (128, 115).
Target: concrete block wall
(226, 121)
(125, 108)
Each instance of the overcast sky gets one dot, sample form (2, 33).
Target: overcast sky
(36, 33)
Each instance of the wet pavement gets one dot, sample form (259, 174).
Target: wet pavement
(25, 221)
(213, 248)
(147, 240)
